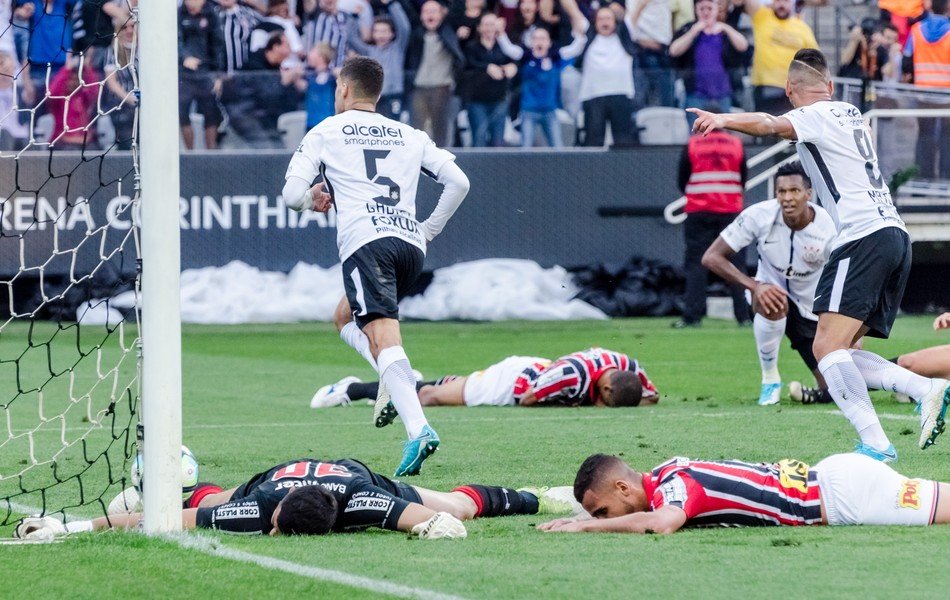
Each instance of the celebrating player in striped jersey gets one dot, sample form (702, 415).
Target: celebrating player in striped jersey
(370, 167)
(594, 377)
(844, 489)
(860, 289)
(793, 238)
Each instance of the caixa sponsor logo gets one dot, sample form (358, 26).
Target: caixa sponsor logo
(376, 131)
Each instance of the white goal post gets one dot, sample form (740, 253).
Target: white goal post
(161, 314)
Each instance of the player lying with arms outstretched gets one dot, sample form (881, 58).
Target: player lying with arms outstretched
(594, 377)
(311, 497)
(844, 489)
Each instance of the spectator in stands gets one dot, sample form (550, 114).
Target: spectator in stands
(324, 22)
(706, 51)
(72, 101)
(531, 15)
(13, 133)
(432, 59)
(320, 85)
(927, 56)
(200, 56)
(902, 14)
(485, 83)
(541, 68)
(237, 22)
(280, 18)
(390, 40)
(466, 21)
(867, 54)
(779, 33)
(606, 66)
(51, 24)
(272, 91)
(651, 24)
(712, 174)
(121, 61)
(682, 11)
(92, 31)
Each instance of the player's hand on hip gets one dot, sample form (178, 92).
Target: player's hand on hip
(942, 322)
(706, 122)
(322, 201)
(771, 298)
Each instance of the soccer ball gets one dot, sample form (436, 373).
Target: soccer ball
(189, 473)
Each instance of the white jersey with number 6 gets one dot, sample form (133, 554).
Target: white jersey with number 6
(371, 166)
(836, 150)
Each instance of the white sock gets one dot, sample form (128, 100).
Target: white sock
(396, 374)
(353, 336)
(768, 339)
(847, 387)
(881, 374)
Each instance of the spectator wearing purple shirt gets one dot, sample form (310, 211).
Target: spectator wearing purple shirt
(705, 51)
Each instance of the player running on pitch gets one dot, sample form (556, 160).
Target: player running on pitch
(308, 496)
(594, 377)
(861, 286)
(844, 489)
(793, 238)
(370, 167)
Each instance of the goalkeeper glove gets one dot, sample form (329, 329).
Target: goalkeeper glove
(441, 525)
(39, 528)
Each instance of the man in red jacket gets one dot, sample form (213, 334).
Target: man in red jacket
(712, 174)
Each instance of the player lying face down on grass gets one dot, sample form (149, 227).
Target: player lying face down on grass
(793, 238)
(308, 496)
(592, 377)
(843, 489)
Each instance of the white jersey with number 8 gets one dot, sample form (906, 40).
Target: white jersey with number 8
(371, 166)
(836, 150)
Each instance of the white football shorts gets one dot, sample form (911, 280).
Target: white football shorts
(495, 385)
(858, 490)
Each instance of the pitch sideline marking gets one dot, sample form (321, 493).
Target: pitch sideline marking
(213, 547)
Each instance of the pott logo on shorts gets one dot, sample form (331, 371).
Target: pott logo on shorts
(910, 494)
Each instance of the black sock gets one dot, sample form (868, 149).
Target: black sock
(824, 397)
(362, 391)
(895, 359)
(494, 501)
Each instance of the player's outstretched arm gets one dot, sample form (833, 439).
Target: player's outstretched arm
(456, 186)
(665, 520)
(131, 520)
(749, 123)
(429, 524)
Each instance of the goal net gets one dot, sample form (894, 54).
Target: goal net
(69, 256)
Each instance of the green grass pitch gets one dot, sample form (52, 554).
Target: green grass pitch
(247, 391)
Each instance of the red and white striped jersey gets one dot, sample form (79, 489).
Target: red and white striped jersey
(736, 494)
(573, 378)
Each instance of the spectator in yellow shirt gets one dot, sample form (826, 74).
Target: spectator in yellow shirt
(779, 33)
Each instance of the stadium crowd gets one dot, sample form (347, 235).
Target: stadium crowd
(531, 63)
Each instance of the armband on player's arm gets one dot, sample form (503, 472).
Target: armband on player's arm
(297, 194)
(456, 187)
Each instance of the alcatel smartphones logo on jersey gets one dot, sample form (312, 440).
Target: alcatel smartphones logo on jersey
(910, 494)
(376, 131)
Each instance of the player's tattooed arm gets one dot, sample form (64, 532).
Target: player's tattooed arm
(758, 124)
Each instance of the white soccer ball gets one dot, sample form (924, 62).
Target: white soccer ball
(189, 472)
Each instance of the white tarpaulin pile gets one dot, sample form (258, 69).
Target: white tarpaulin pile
(499, 289)
(484, 290)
